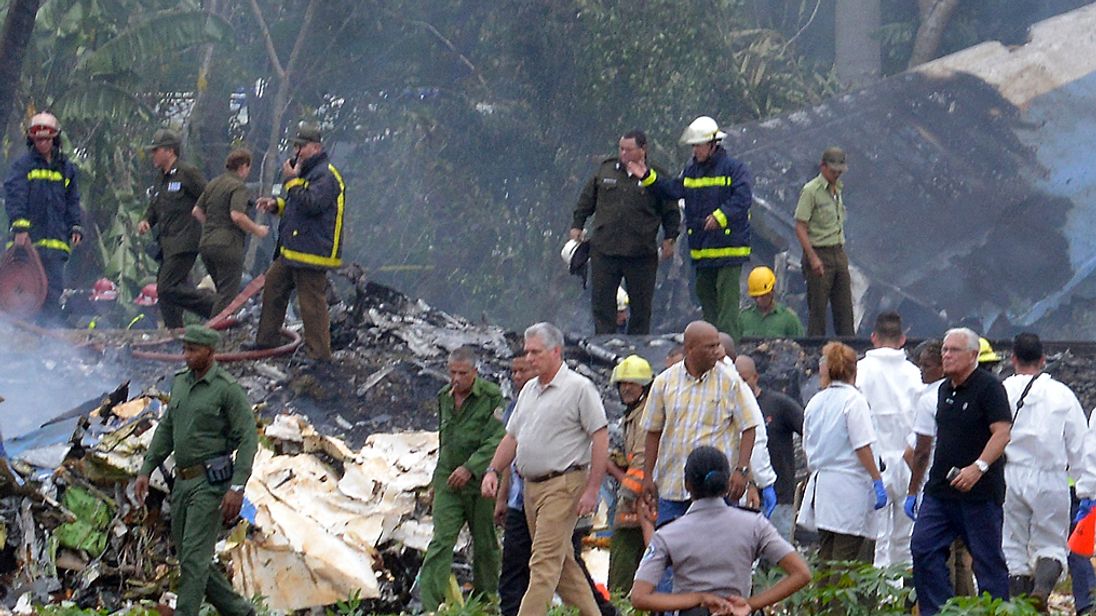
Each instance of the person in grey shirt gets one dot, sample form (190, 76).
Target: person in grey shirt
(558, 440)
(710, 580)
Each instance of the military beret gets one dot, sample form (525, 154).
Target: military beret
(197, 334)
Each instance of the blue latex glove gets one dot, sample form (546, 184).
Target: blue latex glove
(880, 493)
(1083, 509)
(768, 501)
(911, 507)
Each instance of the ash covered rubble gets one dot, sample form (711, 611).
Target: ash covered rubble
(338, 499)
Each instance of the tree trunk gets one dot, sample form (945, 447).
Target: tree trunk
(934, 18)
(857, 55)
(284, 75)
(18, 26)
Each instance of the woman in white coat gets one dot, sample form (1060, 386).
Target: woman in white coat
(845, 487)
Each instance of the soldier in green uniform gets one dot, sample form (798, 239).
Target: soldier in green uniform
(767, 318)
(169, 211)
(470, 429)
(624, 241)
(207, 419)
(222, 210)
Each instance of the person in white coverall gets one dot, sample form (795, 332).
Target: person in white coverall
(891, 385)
(1048, 432)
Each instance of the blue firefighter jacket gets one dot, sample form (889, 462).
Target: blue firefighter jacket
(720, 187)
(43, 199)
(312, 213)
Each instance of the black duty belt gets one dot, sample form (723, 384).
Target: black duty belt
(554, 474)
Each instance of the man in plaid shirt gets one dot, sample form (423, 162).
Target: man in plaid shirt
(697, 401)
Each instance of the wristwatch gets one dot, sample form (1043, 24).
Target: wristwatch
(236, 488)
(490, 469)
(982, 465)
(745, 470)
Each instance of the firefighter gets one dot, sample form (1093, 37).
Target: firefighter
(310, 238)
(632, 527)
(42, 200)
(717, 192)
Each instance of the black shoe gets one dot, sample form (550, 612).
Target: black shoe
(1047, 572)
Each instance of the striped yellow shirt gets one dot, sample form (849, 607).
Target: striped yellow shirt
(690, 412)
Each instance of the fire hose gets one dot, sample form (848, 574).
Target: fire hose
(222, 321)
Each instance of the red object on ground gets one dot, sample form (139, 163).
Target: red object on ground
(1082, 540)
(22, 282)
(604, 591)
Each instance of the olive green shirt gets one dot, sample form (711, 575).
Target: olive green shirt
(626, 215)
(206, 417)
(169, 211)
(468, 436)
(225, 194)
(823, 212)
(781, 322)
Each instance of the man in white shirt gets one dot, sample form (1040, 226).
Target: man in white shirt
(891, 384)
(1048, 428)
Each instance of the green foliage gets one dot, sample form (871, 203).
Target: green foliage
(351, 606)
(985, 605)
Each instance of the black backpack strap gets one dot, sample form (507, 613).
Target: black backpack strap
(1020, 402)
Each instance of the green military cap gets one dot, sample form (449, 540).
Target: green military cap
(835, 159)
(307, 133)
(163, 138)
(197, 334)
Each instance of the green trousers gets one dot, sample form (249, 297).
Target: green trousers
(176, 293)
(225, 264)
(718, 291)
(625, 551)
(451, 511)
(195, 524)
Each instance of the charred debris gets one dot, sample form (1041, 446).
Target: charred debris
(337, 505)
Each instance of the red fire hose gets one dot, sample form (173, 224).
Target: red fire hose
(223, 321)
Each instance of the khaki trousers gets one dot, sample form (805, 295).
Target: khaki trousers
(311, 286)
(550, 512)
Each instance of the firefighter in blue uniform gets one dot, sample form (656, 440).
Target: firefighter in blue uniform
(717, 192)
(42, 200)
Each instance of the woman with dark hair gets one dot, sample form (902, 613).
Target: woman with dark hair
(845, 487)
(714, 577)
(222, 210)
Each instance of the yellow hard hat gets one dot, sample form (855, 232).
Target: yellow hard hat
(986, 352)
(761, 281)
(632, 369)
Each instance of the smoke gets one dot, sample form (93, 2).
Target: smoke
(42, 377)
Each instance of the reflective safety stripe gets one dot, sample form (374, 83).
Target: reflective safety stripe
(303, 183)
(720, 217)
(281, 205)
(20, 223)
(719, 180)
(45, 174)
(333, 259)
(135, 320)
(650, 179)
(720, 253)
(54, 244)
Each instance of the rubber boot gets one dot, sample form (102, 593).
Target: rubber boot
(1020, 585)
(1047, 572)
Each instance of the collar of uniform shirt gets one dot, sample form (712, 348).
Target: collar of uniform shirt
(703, 504)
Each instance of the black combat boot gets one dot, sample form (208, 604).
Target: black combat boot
(1020, 585)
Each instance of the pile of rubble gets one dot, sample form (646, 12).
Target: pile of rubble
(337, 504)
